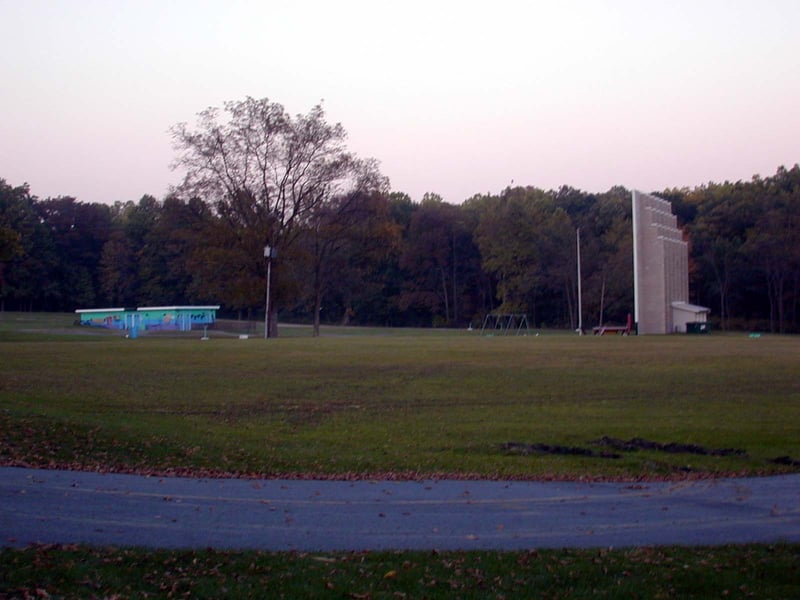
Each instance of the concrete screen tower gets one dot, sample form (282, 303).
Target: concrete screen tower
(660, 269)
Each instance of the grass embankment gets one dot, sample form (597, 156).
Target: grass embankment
(454, 404)
(756, 571)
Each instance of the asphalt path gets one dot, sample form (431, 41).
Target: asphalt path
(41, 506)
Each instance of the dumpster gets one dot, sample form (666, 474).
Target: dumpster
(698, 327)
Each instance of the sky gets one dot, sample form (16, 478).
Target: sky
(455, 98)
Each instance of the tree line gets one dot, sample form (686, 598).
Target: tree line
(349, 250)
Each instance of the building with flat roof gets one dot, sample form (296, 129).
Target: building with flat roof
(149, 318)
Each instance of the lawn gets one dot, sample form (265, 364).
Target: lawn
(397, 403)
(757, 571)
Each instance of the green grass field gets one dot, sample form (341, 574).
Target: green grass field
(757, 571)
(396, 402)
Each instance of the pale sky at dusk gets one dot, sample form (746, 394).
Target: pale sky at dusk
(452, 97)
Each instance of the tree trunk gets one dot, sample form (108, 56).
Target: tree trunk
(570, 301)
(723, 308)
(722, 276)
(317, 310)
(602, 300)
(774, 301)
(794, 302)
(446, 298)
(2, 285)
(317, 297)
(455, 295)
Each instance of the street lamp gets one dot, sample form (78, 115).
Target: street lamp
(269, 254)
(580, 306)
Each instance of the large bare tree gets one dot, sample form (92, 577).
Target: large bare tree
(266, 173)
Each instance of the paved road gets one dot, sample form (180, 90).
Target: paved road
(70, 507)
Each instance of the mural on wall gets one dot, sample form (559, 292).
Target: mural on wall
(109, 318)
(164, 318)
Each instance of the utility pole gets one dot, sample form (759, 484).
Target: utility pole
(580, 308)
(269, 254)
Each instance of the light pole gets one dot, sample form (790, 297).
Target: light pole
(269, 254)
(580, 307)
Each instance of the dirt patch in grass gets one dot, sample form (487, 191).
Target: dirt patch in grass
(632, 445)
(636, 443)
(785, 460)
(615, 448)
(518, 448)
(618, 446)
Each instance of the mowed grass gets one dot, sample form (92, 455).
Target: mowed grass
(399, 405)
(757, 571)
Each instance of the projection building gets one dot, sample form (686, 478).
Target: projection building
(660, 270)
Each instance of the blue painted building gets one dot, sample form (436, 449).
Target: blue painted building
(149, 318)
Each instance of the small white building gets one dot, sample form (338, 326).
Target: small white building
(683, 313)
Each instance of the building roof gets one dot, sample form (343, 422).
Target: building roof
(692, 308)
(179, 307)
(106, 310)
